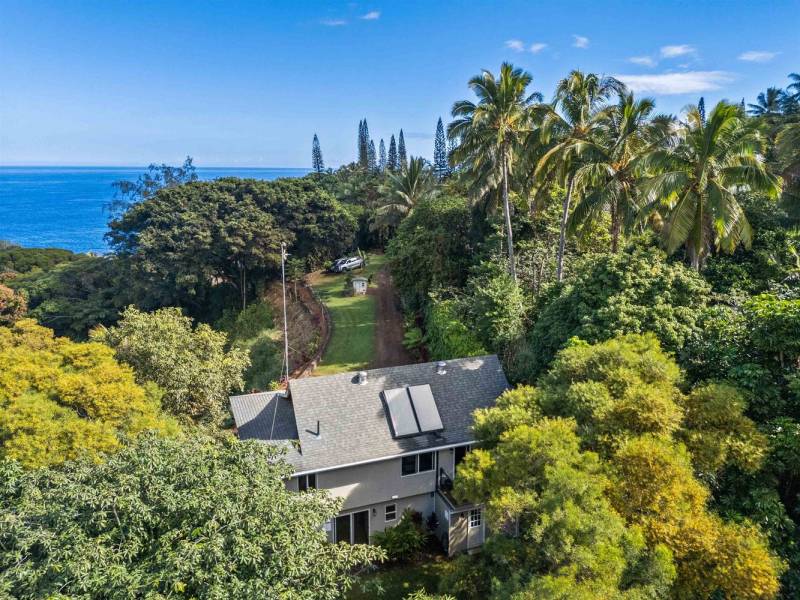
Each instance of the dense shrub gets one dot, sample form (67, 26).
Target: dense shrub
(404, 541)
(447, 335)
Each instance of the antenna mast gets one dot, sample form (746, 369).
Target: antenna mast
(285, 321)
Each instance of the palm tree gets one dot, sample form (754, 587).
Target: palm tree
(698, 177)
(791, 97)
(490, 133)
(606, 180)
(568, 124)
(768, 104)
(403, 191)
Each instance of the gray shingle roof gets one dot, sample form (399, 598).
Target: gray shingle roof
(352, 420)
(254, 415)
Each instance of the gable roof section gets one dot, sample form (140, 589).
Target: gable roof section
(267, 416)
(351, 418)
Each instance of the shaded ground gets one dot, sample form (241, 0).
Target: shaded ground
(389, 349)
(397, 582)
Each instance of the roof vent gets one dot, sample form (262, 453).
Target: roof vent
(441, 367)
(362, 377)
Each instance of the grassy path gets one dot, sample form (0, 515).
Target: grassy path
(352, 345)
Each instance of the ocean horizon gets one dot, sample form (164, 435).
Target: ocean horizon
(67, 207)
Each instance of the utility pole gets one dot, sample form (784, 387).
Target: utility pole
(285, 321)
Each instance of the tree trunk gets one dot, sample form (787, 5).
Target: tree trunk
(507, 210)
(562, 239)
(615, 228)
(695, 259)
(243, 280)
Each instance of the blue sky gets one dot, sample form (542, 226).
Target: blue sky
(248, 83)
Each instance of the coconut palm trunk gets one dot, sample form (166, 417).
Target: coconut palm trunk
(562, 238)
(615, 227)
(507, 212)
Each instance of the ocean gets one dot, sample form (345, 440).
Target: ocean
(66, 207)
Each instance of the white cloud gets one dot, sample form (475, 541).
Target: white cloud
(677, 50)
(644, 61)
(515, 45)
(759, 56)
(580, 41)
(537, 47)
(689, 82)
(334, 22)
(372, 15)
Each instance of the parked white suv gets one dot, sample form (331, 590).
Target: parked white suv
(348, 264)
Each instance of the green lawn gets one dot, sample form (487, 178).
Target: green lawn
(352, 344)
(397, 582)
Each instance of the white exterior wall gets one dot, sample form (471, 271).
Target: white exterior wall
(373, 483)
(373, 486)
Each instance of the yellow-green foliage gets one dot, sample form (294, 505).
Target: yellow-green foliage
(655, 489)
(615, 389)
(656, 444)
(60, 399)
(717, 432)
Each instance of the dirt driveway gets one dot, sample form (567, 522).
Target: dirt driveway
(389, 350)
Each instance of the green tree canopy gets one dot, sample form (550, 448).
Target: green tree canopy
(72, 297)
(621, 399)
(567, 541)
(60, 399)
(432, 249)
(190, 365)
(614, 294)
(193, 517)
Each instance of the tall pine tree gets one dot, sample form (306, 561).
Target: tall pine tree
(440, 167)
(382, 156)
(401, 152)
(316, 156)
(701, 108)
(363, 144)
(372, 160)
(392, 161)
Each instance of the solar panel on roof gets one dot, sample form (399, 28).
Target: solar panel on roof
(425, 408)
(400, 412)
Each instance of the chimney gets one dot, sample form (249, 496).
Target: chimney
(441, 367)
(362, 377)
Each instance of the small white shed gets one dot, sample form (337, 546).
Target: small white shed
(359, 286)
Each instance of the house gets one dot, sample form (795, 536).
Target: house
(383, 440)
(360, 286)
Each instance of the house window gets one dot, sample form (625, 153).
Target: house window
(391, 512)
(426, 462)
(307, 482)
(409, 465)
(475, 517)
(418, 463)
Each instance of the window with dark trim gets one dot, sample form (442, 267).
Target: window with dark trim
(418, 463)
(426, 462)
(307, 482)
(475, 517)
(391, 512)
(409, 465)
